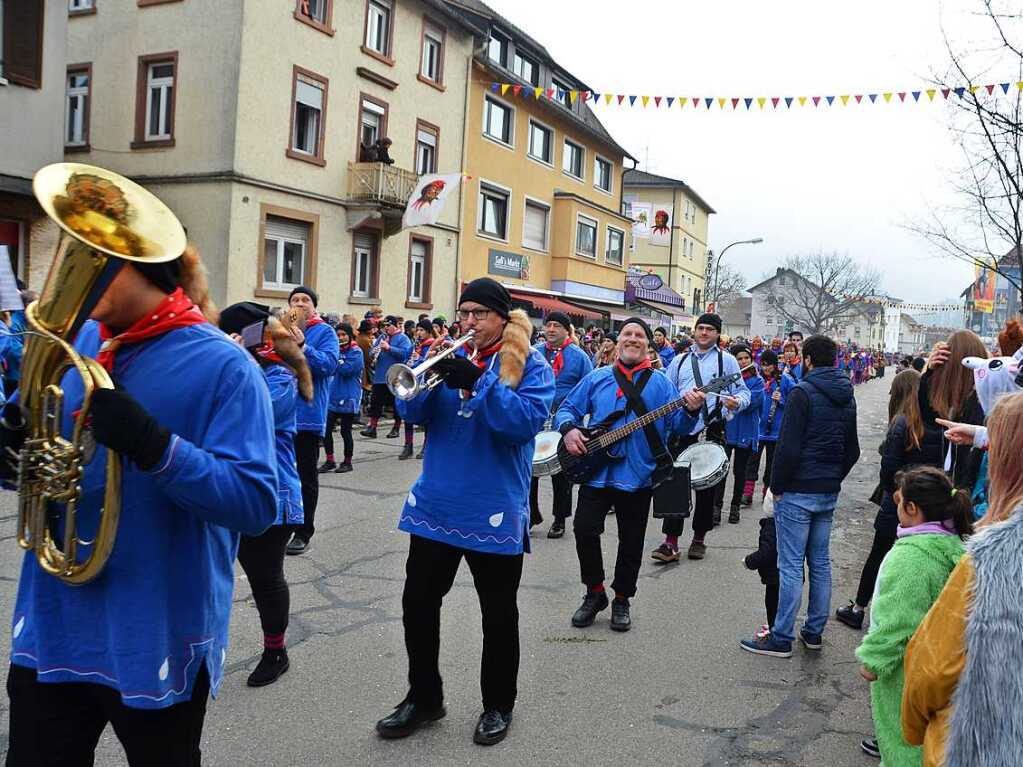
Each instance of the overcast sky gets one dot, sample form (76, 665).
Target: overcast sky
(837, 178)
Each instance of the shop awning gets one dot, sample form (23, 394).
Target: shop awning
(677, 312)
(551, 304)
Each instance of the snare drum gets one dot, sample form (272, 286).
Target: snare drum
(545, 453)
(707, 462)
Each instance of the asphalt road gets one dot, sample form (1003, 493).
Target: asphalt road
(675, 690)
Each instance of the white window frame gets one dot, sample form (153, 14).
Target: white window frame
(537, 202)
(81, 5)
(507, 192)
(567, 100)
(365, 105)
(320, 14)
(415, 259)
(529, 142)
(597, 158)
(432, 36)
(165, 87)
(379, 12)
(579, 218)
(501, 62)
(607, 245)
(362, 271)
(278, 282)
(516, 58)
(315, 151)
(80, 94)
(582, 160)
(433, 148)
(510, 143)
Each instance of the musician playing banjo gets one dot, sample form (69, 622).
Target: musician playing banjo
(704, 362)
(624, 483)
(487, 414)
(570, 364)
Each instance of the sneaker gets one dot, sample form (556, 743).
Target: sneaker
(717, 516)
(406, 453)
(869, 746)
(850, 616)
(370, 432)
(393, 433)
(343, 468)
(593, 603)
(326, 466)
(697, 550)
(271, 666)
(733, 515)
(767, 646)
(621, 620)
(664, 554)
(557, 529)
(811, 641)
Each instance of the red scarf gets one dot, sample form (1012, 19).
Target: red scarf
(346, 348)
(314, 320)
(176, 311)
(628, 372)
(483, 355)
(559, 359)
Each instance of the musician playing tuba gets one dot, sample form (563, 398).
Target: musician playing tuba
(624, 484)
(486, 413)
(142, 644)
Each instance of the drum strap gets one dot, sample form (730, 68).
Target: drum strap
(708, 416)
(633, 392)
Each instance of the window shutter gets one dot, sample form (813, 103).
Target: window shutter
(365, 242)
(23, 42)
(286, 229)
(535, 226)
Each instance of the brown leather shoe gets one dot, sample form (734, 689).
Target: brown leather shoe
(697, 550)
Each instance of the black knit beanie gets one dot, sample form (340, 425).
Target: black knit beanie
(164, 276)
(710, 319)
(242, 314)
(308, 291)
(642, 323)
(489, 293)
(561, 318)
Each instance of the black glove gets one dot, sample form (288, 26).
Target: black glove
(122, 424)
(12, 437)
(458, 372)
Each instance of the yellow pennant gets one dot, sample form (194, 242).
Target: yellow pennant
(802, 100)
(887, 96)
(646, 100)
(504, 88)
(930, 93)
(572, 96)
(761, 101)
(845, 100)
(1020, 85)
(721, 103)
(682, 101)
(973, 88)
(537, 92)
(608, 97)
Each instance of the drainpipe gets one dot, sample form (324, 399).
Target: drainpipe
(461, 186)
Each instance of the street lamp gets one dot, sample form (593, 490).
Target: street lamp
(717, 267)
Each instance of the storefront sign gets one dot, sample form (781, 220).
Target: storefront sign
(506, 264)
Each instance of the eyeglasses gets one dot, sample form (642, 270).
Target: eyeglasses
(477, 314)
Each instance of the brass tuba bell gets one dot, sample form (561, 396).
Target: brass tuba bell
(106, 220)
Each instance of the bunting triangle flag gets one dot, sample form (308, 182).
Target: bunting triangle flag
(788, 102)
(735, 103)
(902, 96)
(930, 93)
(504, 88)
(1020, 85)
(802, 100)
(537, 92)
(858, 97)
(708, 101)
(632, 101)
(669, 101)
(990, 89)
(872, 97)
(960, 91)
(595, 97)
(494, 87)
(721, 103)
(761, 101)
(945, 92)
(608, 97)
(748, 101)
(973, 88)
(774, 102)
(682, 101)
(621, 99)
(516, 90)
(572, 95)
(830, 99)
(887, 97)
(1005, 87)
(916, 95)
(646, 100)
(816, 100)
(657, 101)
(845, 100)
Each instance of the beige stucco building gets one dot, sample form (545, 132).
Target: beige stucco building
(680, 259)
(248, 118)
(32, 87)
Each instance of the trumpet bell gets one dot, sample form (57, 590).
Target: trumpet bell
(402, 382)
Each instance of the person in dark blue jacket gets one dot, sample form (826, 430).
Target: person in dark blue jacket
(817, 448)
(570, 365)
(777, 385)
(625, 484)
(665, 350)
(143, 645)
(321, 352)
(742, 432)
(344, 400)
(391, 347)
(488, 410)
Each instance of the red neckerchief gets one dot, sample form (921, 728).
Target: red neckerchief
(268, 352)
(628, 372)
(559, 359)
(423, 348)
(482, 357)
(314, 320)
(748, 373)
(347, 348)
(176, 311)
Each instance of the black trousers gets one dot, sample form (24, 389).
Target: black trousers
(771, 602)
(382, 397)
(345, 420)
(703, 513)
(262, 559)
(631, 513)
(883, 542)
(307, 450)
(753, 467)
(59, 724)
(562, 506)
(429, 572)
(739, 457)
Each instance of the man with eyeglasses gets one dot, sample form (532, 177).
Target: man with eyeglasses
(487, 413)
(392, 347)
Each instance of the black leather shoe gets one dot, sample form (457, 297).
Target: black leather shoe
(270, 667)
(326, 466)
(393, 433)
(407, 718)
(491, 727)
(733, 515)
(557, 529)
(621, 620)
(406, 453)
(369, 431)
(593, 603)
(343, 468)
(297, 545)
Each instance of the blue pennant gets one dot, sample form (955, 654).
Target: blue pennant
(748, 102)
(830, 99)
(632, 100)
(671, 100)
(960, 91)
(708, 102)
(594, 96)
(494, 87)
(1005, 87)
(788, 102)
(873, 97)
(916, 95)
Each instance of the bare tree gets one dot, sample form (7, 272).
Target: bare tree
(731, 284)
(820, 292)
(984, 226)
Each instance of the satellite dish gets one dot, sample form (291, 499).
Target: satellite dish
(650, 282)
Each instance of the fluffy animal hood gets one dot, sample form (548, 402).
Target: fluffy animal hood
(995, 377)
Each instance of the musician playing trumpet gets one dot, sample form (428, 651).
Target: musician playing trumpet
(487, 412)
(625, 482)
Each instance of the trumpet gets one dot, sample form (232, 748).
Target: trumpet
(407, 383)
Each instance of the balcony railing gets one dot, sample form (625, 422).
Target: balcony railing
(379, 182)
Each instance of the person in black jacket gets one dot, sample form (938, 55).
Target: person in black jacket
(908, 443)
(765, 561)
(817, 447)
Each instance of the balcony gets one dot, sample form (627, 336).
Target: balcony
(380, 183)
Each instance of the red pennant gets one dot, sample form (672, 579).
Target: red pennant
(859, 97)
(696, 102)
(516, 90)
(902, 96)
(945, 92)
(550, 93)
(621, 98)
(816, 100)
(734, 103)
(774, 102)
(990, 88)
(657, 100)
(585, 95)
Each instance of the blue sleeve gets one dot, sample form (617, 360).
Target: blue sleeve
(5, 339)
(17, 344)
(787, 385)
(672, 371)
(351, 364)
(586, 364)
(322, 350)
(231, 478)
(575, 406)
(518, 414)
(283, 397)
(401, 346)
(756, 399)
(738, 389)
(419, 409)
(790, 441)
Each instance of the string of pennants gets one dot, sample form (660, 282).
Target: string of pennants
(761, 102)
(888, 304)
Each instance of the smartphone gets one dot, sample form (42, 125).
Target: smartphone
(252, 335)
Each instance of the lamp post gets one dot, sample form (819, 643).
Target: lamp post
(717, 267)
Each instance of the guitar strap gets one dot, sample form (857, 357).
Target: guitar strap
(633, 392)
